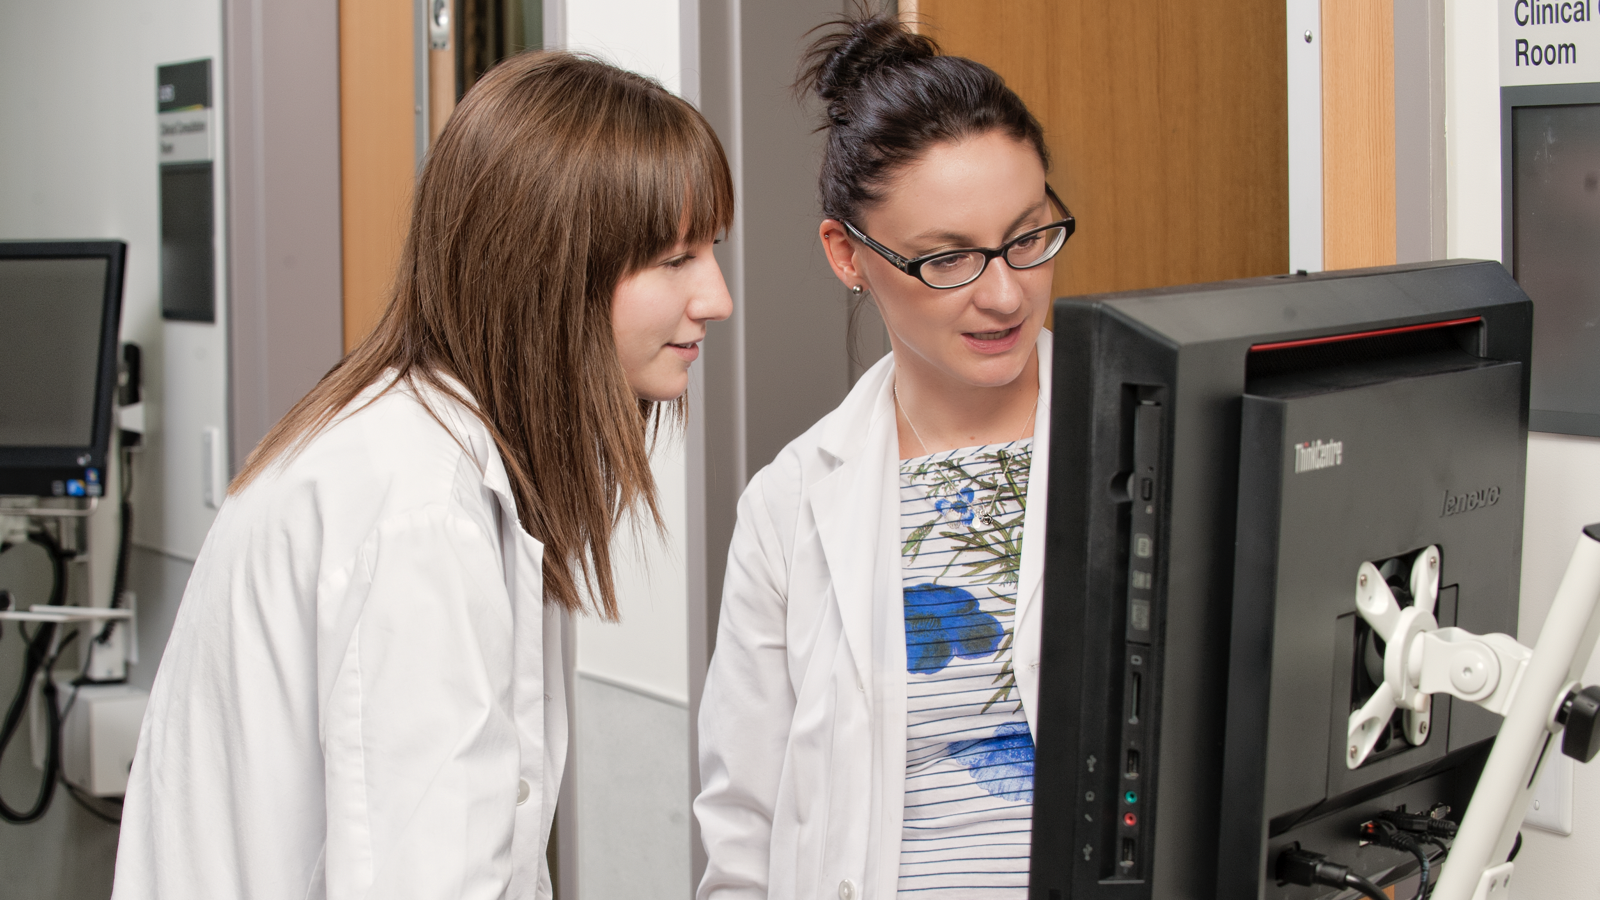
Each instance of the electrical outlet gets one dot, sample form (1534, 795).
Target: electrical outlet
(1551, 807)
(213, 467)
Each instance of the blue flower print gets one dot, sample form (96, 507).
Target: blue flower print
(962, 506)
(1003, 764)
(943, 623)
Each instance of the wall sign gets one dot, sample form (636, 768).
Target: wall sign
(188, 193)
(1549, 41)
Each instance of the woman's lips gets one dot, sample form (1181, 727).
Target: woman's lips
(993, 341)
(689, 352)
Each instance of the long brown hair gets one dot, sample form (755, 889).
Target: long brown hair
(555, 178)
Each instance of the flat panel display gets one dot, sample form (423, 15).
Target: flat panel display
(51, 321)
(1556, 222)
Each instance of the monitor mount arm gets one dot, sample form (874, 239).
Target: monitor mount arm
(1537, 691)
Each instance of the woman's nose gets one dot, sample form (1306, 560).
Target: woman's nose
(711, 301)
(998, 288)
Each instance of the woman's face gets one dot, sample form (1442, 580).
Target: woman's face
(978, 192)
(659, 316)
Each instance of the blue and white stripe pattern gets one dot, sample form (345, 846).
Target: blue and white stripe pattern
(969, 756)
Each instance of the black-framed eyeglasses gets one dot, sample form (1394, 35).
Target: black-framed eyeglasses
(949, 269)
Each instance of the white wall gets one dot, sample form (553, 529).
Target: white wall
(649, 650)
(1472, 129)
(641, 35)
(78, 160)
(1563, 471)
(631, 745)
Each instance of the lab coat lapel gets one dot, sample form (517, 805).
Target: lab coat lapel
(851, 527)
(1030, 576)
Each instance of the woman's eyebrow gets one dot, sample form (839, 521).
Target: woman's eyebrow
(966, 240)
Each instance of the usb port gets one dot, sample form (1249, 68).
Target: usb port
(1127, 853)
(1131, 770)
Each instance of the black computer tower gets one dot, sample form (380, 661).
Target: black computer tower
(1223, 457)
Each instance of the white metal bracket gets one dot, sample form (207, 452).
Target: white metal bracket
(1399, 629)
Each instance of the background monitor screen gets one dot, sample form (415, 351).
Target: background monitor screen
(1557, 230)
(60, 313)
(1550, 221)
(51, 313)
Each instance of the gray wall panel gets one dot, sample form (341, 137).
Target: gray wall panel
(633, 777)
(284, 238)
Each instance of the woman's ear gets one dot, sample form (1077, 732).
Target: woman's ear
(841, 252)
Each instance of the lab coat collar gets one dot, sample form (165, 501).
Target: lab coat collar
(465, 427)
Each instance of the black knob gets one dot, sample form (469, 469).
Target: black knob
(1580, 713)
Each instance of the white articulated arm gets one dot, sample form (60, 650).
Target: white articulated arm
(1538, 693)
(1485, 669)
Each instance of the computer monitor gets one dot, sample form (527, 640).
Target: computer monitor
(1224, 458)
(60, 310)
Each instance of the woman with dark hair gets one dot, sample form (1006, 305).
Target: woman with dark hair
(363, 694)
(866, 728)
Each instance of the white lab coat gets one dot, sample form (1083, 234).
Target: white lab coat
(803, 720)
(363, 692)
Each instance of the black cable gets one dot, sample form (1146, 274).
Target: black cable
(58, 564)
(1297, 865)
(1352, 880)
(1423, 865)
(119, 576)
(1387, 831)
(36, 656)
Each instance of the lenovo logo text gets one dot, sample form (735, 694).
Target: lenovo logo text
(1460, 503)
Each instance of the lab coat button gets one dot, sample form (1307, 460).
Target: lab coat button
(847, 890)
(523, 790)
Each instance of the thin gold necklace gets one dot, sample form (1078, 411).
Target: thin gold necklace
(1005, 458)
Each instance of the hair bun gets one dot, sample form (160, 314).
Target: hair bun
(835, 64)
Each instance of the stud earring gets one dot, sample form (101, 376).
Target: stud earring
(855, 289)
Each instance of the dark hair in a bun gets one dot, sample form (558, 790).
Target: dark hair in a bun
(889, 94)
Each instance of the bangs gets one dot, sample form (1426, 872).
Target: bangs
(684, 184)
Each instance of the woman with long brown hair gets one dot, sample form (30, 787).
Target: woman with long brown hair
(363, 692)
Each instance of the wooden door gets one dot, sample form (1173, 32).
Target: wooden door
(1358, 134)
(1167, 121)
(378, 151)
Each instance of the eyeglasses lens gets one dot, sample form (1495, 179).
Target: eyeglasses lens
(963, 266)
(1036, 248)
(952, 269)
